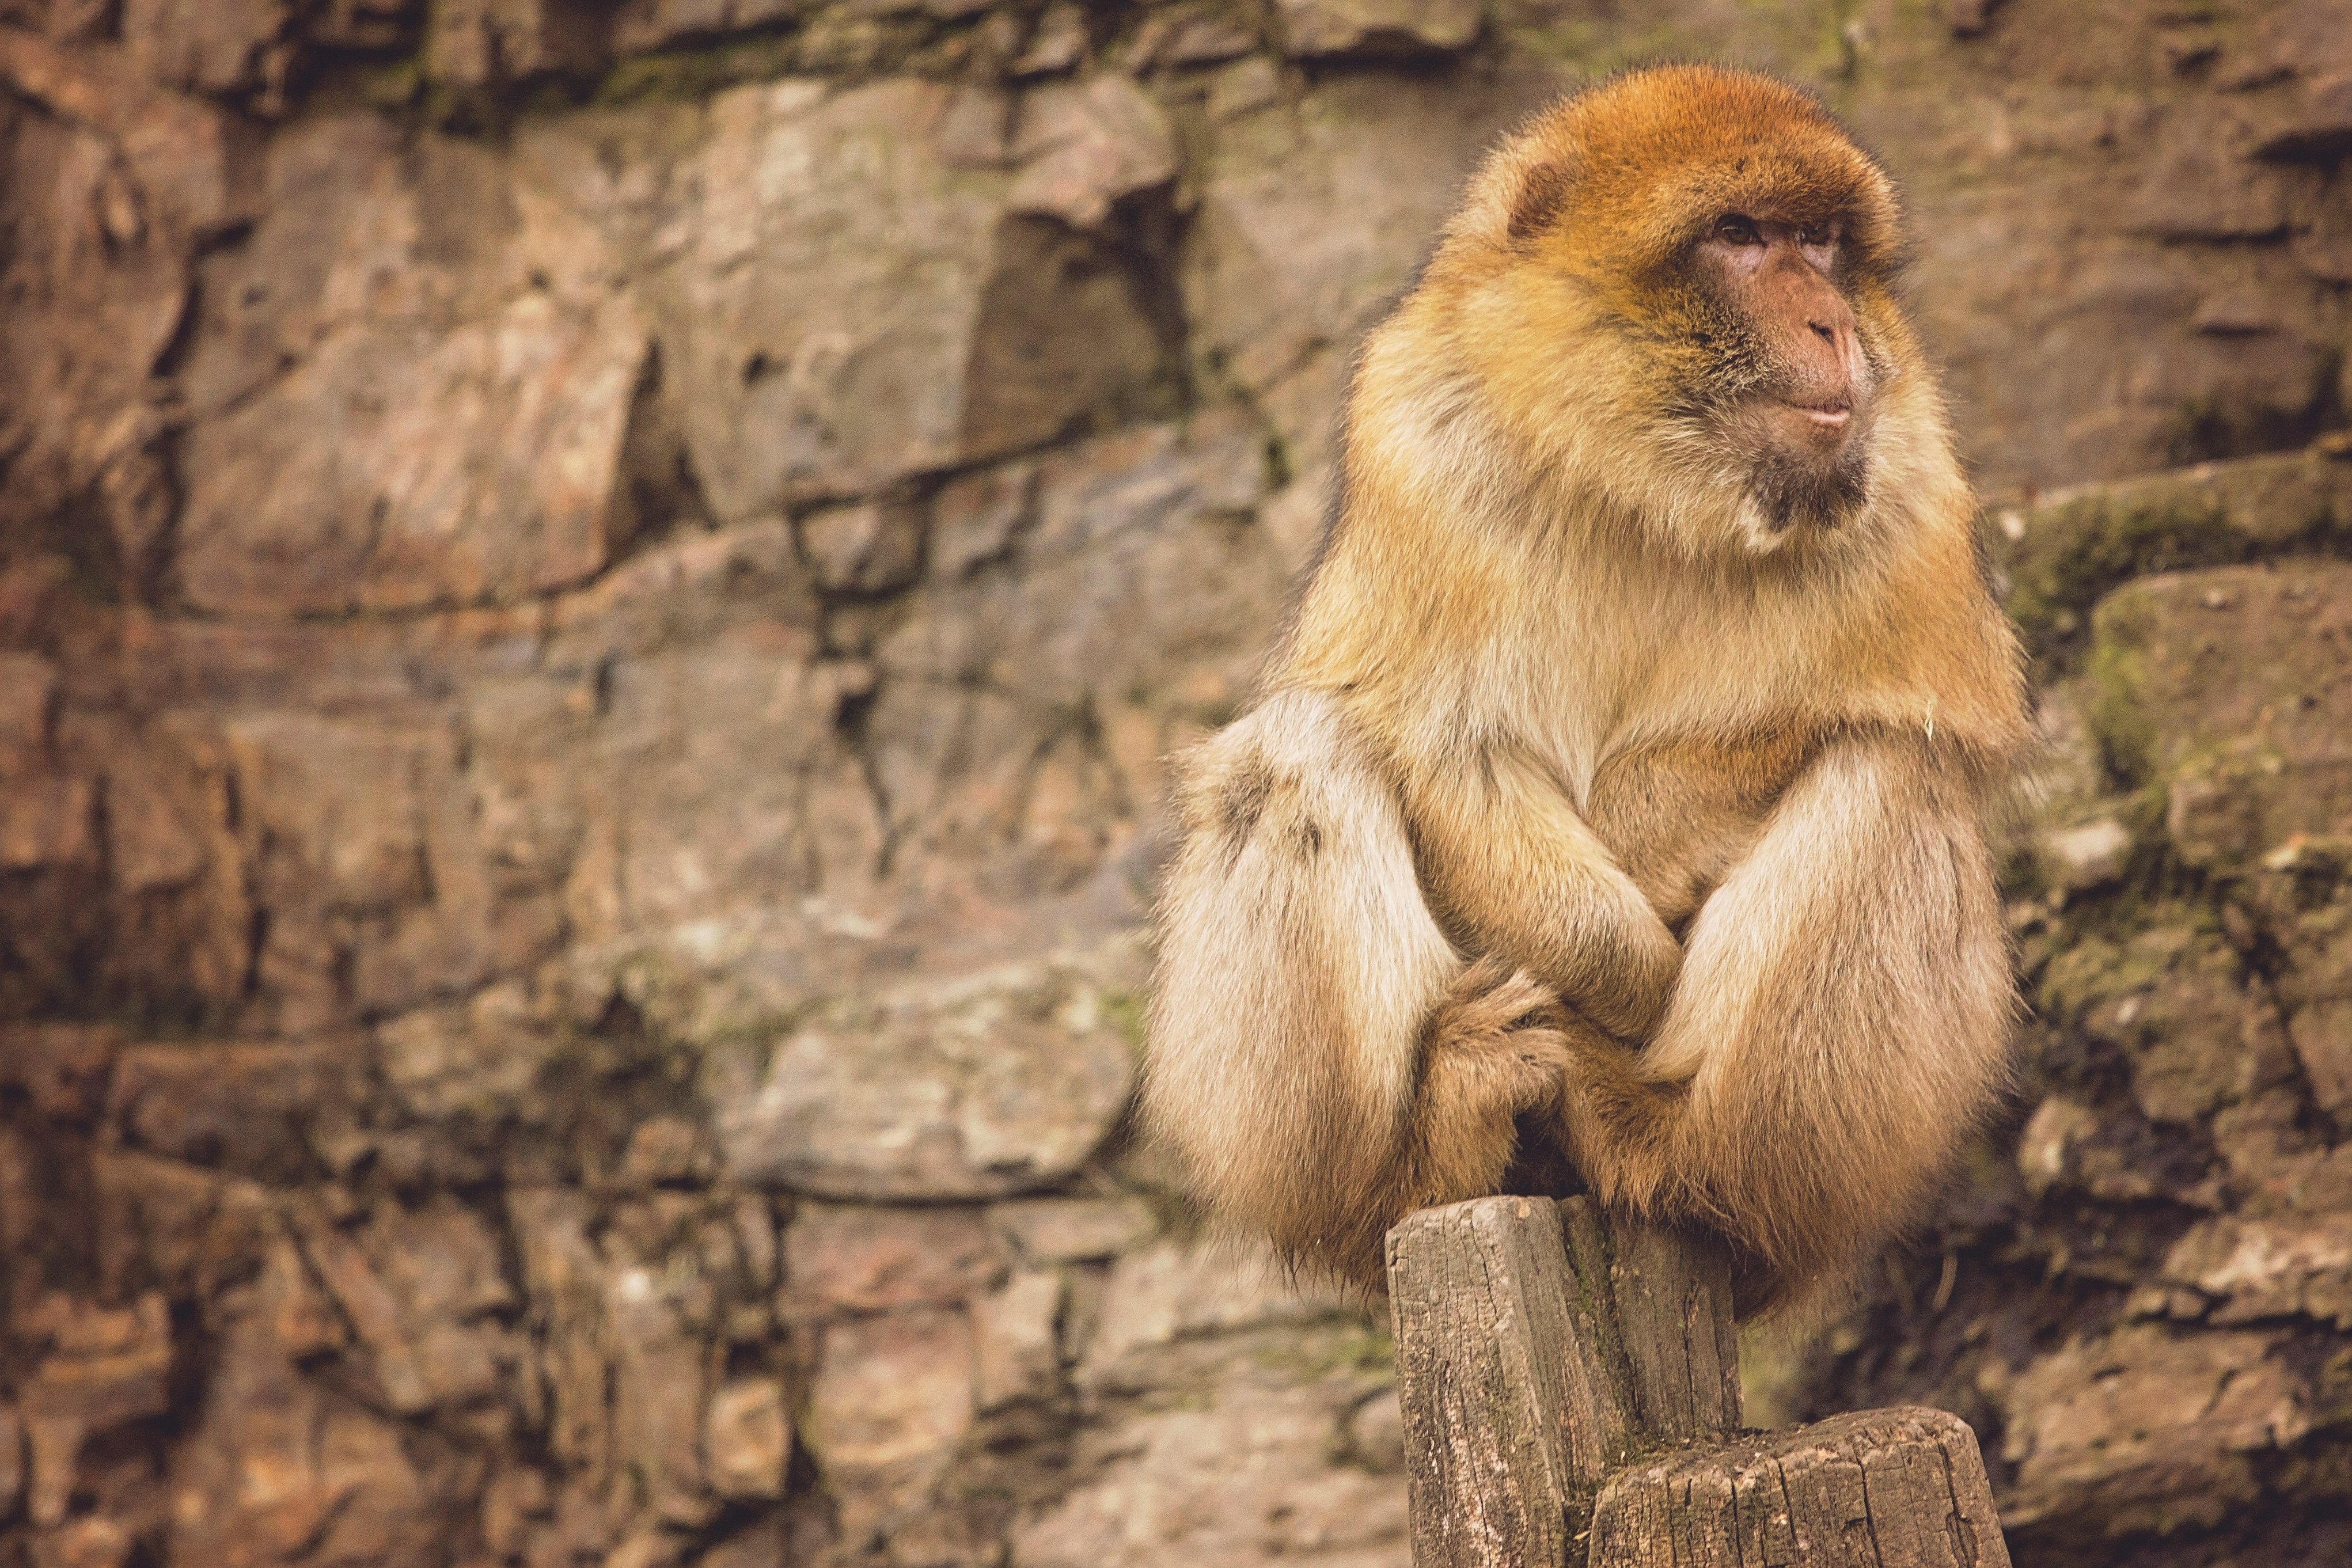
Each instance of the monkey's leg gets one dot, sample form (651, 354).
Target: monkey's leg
(1840, 1021)
(1317, 1055)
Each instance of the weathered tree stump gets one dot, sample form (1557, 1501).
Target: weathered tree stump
(1879, 1488)
(1571, 1393)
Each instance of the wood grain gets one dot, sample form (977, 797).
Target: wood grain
(1668, 1317)
(1511, 1418)
(1903, 1488)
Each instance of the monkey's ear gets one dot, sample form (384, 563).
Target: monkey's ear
(1543, 195)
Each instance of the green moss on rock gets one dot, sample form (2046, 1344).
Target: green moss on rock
(2070, 550)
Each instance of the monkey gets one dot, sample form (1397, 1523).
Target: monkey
(1609, 813)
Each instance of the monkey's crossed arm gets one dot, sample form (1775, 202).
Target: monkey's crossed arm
(1509, 865)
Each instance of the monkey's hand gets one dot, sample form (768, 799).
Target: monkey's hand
(1510, 861)
(1493, 1050)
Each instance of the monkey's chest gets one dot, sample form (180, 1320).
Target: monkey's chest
(1678, 816)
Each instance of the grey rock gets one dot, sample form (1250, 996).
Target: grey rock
(1004, 1083)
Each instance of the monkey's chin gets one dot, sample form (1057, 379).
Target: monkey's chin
(1786, 499)
(1799, 475)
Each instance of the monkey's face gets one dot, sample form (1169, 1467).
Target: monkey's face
(1788, 396)
(1675, 292)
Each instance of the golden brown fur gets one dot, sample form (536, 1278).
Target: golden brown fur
(1617, 784)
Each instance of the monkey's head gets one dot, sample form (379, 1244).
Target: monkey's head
(1676, 289)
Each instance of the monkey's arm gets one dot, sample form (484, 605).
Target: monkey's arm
(1508, 859)
(1841, 1020)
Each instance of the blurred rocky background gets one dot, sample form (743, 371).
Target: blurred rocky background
(593, 591)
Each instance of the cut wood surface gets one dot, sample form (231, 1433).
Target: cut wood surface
(1903, 1488)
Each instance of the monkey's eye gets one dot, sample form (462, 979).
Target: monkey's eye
(1813, 235)
(1735, 228)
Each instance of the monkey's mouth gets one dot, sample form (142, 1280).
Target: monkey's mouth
(1828, 415)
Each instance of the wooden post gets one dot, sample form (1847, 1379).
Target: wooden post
(1568, 1379)
(1880, 1488)
(1514, 1414)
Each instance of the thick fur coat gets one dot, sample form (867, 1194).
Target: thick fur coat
(1594, 816)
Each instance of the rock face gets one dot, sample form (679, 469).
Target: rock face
(592, 595)
(2144, 1283)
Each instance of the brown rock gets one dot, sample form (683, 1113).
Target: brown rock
(186, 1228)
(479, 43)
(2085, 856)
(665, 1150)
(46, 822)
(28, 700)
(93, 1541)
(872, 548)
(419, 1288)
(1171, 1291)
(1313, 27)
(1083, 146)
(2198, 187)
(2319, 127)
(653, 1325)
(892, 1398)
(364, 843)
(821, 306)
(210, 46)
(1376, 1434)
(564, 1279)
(1312, 216)
(2232, 686)
(842, 1257)
(642, 24)
(2194, 1036)
(245, 1108)
(396, 514)
(2047, 1143)
(110, 1368)
(2269, 1268)
(976, 517)
(1059, 40)
(383, 292)
(2143, 1430)
(1177, 37)
(181, 151)
(1045, 1230)
(1242, 1472)
(12, 1461)
(62, 1070)
(1016, 1341)
(1968, 18)
(747, 1435)
(338, 1485)
(482, 1059)
(2322, 1032)
(733, 838)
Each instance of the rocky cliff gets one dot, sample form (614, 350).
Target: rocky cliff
(590, 595)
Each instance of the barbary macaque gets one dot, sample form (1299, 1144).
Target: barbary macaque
(1611, 811)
